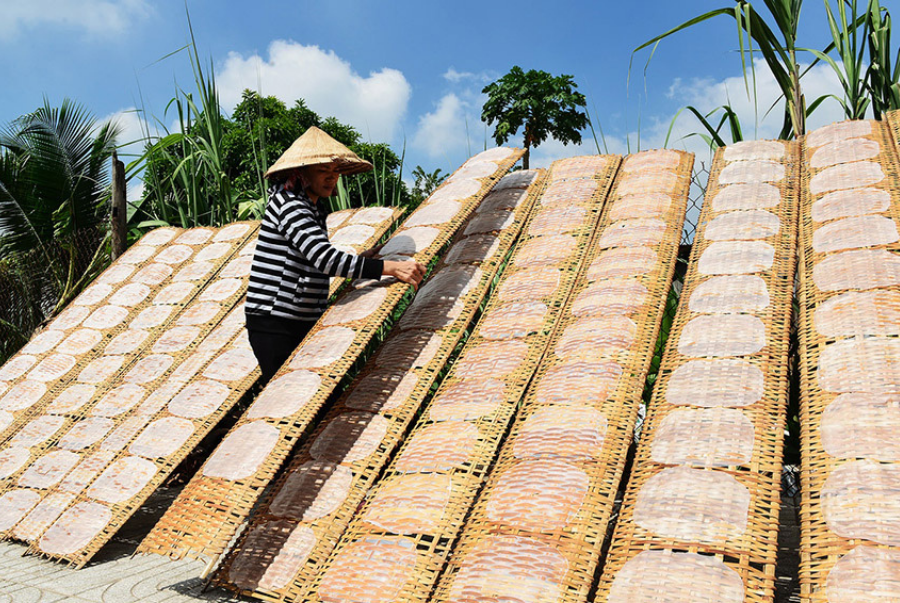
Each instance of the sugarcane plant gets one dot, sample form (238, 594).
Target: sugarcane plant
(860, 53)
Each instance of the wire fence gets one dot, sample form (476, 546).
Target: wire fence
(31, 284)
(691, 218)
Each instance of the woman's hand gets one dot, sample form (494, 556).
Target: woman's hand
(411, 272)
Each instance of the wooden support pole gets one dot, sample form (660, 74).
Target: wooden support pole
(119, 212)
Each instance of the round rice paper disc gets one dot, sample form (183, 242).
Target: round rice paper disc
(838, 132)
(754, 150)
(195, 236)
(312, 491)
(579, 167)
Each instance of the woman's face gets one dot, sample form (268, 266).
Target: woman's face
(319, 180)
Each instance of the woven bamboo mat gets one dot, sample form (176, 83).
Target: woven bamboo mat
(118, 346)
(94, 433)
(20, 394)
(213, 369)
(134, 437)
(700, 516)
(359, 229)
(849, 317)
(198, 523)
(553, 484)
(352, 444)
(428, 488)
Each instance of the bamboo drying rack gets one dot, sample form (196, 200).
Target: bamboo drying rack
(752, 554)
(198, 524)
(129, 360)
(222, 332)
(578, 539)
(329, 527)
(821, 548)
(433, 548)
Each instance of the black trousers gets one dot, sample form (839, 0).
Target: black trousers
(274, 340)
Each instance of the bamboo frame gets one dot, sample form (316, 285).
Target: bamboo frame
(847, 550)
(490, 424)
(737, 561)
(67, 322)
(198, 524)
(329, 527)
(223, 332)
(381, 228)
(69, 419)
(72, 384)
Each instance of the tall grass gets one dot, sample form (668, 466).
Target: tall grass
(884, 73)
(860, 54)
(185, 172)
(388, 190)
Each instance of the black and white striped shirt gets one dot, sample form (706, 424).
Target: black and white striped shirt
(294, 260)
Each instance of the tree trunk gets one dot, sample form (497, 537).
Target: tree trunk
(119, 213)
(525, 157)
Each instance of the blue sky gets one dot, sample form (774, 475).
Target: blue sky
(402, 72)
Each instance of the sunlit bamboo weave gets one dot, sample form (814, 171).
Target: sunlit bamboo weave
(850, 360)
(358, 229)
(89, 425)
(295, 528)
(699, 520)
(116, 329)
(207, 513)
(549, 497)
(140, 424)
(396, 547)
(41, 369)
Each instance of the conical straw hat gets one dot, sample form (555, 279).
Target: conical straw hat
(315, 147)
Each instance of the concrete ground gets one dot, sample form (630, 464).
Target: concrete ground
(113, 575)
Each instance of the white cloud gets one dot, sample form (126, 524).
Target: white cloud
(374, 105)
(94, 17)
(132, 132)
(757, 120)
(482, 77)
(134, 190)
(452, 75)
(442, 133)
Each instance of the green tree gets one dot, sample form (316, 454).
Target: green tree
(54, 191)
(425, 183)
(259, 131)
(545, 105)
(54, 188)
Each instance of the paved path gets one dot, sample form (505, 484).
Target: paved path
(113, 576)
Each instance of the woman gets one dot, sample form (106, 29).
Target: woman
(294, 261)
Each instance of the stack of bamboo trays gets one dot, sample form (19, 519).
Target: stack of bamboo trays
(398, 544)
(123, 442)
(549, 497)
(121, 327)
(295, 528)
(208, 512)
(69, 351)
(850, 359)
(699, 520)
